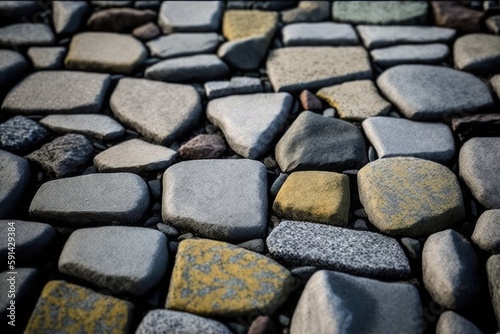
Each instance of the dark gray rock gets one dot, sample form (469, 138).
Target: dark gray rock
(47, 58)
(168, 230)
(255, 245)
(17, 10)
(68, 16)
(410, 54)
(237, 85)
(493, 24)
(12, 67)
(452, 323)
(304, 273)
(121, 20)
(20, 134)
(14, 178)
(493, 271)
(190, 16)
(307, 11)
(26, 34)
(184, 44)
(246, 53)
(112, 3)
(24, 281)
(487, 232)
(477, 53)
(203, 147)
(263, 324)
(276, 186)
(319, 34)
(100, 127)
(146, 32)
(412, 247)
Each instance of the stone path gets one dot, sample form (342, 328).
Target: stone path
(250, 166)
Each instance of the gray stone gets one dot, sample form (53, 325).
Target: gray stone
(319, 34)
(121, 20)
(452, 323)
(425, 92)
(291, 70)
(335, 248)
(495, 84)
(203, 147)
(329, 112)
(174, 322)
(477, 53)
(493, 271)
(307, 11)
(237, 85)
(246, 53)
(94, 199)
(477, 160)
(255, 245)
(487, 231)
(26, 34)
(380, 12)
(14, 178)
(184, 44)
(190, 16)
(185, 69)
(47, 58)
(64, 156)
(410, 54)
(304, 273)
(168, 230)
(96, 51)
(228, 198)
(135, 156)
(451, 270)
(314, 142)
(262, 324)
(12, 67)
(68, 16)
(250, 122)
(276, 186)
(338, 303)
(24, 282)
(159, 111)
(58, 92)
(146, 32)
(412, 247)
(112, 3)
(119, 258)
(20, 134)
(399, 137)
(100, 127)
(493, 23)
(380, 36)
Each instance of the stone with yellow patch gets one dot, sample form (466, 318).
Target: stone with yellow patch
(409, 196)
(68, 308)
(314, 196)
(239, 24)
(217, 279)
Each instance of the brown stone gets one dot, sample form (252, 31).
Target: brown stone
(480, 125)
(119, 19)
(453, 15)
(262, 325)
(203, 147)
(146, 31)
(309, 101)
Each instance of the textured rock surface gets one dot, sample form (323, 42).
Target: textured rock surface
(307, 11)
(410, 54)
(190, 15)
(47, 58)
(454, 15)
(477, 53)
(146, 32)
(68, 15)
(14, 178)
(309, 101)
(319, 34)
(380, 12)
(119, 19)
(203, 147)
(12, 66)
(20, 134)
(451, 323)
(479, 125)
(237, 85)
(183, 44)
(493, 271)
(239, 24)
(487, 233)
(97, 126)
(26, 34)
(25, 279)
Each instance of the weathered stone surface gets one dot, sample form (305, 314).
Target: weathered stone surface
(183, 44)
(24, 281)
(240, 24)
(454, 15)
(410, 54)
(309, 101)
(26, 34)
(20, 134)
(78, 309)
(203, 147)
(487, 232)
(159, 111)
(481, 125)
(47, 58)
(94, 199)
(14, 178)
(289, 69)
(335, 302)
(226, 281)
(100, 127)
(307, 11)
(146, 32)
(190, 16)
(493, 271)
(319, 34)
(235, 86)
(119, 19)
(68, 16)
(452, 323)
(329, 247)
(262, 325)
(495, 84)
(246, 53)
(12, 67)
(477, 53)
(380, 12)
(493, 23)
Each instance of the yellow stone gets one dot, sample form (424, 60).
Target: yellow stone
(313, 196)
(217, 279)
(68, 308)
(239, 24)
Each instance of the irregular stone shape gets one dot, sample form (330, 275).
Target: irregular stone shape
(20, 134)
(19, 286)
(399, 137)
(355, 100)
(329, 247)
(96, 51)
(94, 199)
(290, 69)
(47, 58)
(493, 23)
(190, 16)
(380, 36)
(146, 32)
(320, 143)
(333, 302)
(119, 19)
(68, 16)
(240, 24)
(250, 122)
(165, 321)
(244, 54)
(26, 34)
(453, 15)
(135, 156)
(477, 160)
(493, 271)
(216, 190)
(495, 84)
(425, 92)
(14, 178)
(17, 10)
(100, 127)
(64, 156)
(452, 323)
(476, 126)
(186, 69)
(203, 147)
(262, 325)
(110, 4)
(235, 86)
(487, 232)
(410, 197)
(78, 309)
(12, 67)
(477, 53)
(410, 54)
(319, 34)
(58, 92)
(319, 197)
(122, 259)
(225, 280)
(307, 11)
(309, 101)
(450, 270)
(159, 111)
(380, 12)
(183, 44)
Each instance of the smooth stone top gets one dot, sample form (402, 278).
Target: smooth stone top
(487, 232)
(319, 34)
(183, 44)
(237, 85)
(68, 15)
(97, 126)
(190, 16)
(380, 12)
(12, 66)
(14, 178)
(410, 54)
(47, 58)
(477, 53)
(26, 34)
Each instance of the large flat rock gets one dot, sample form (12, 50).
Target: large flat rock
(190, 16)
(100, 127)
(477, 53)
(319, 34)
(183, 44)
(410, 54)
(26, 34)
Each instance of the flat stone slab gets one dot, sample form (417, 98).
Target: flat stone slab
(14, 178)
(399, 137)
(359, 253)
(100, 127)
(159, 111)
(314, 142)
(122, 259)
(450, 322)
(190, 16)
(183, 44)
(217, 190)
(410, 54)
(47, 58)
(12, 66)
(225, 280)
(240, 24)
(477, 53)
(26, 34)
(425, 92)
(94, 199)
(135, 156)
(319, 34)
(493, 271)
(235, 86)
(486, 233)
(290, 69)
(337, 302)
(68, 16)
(20, 134)
(250, 123)
(57, 92)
